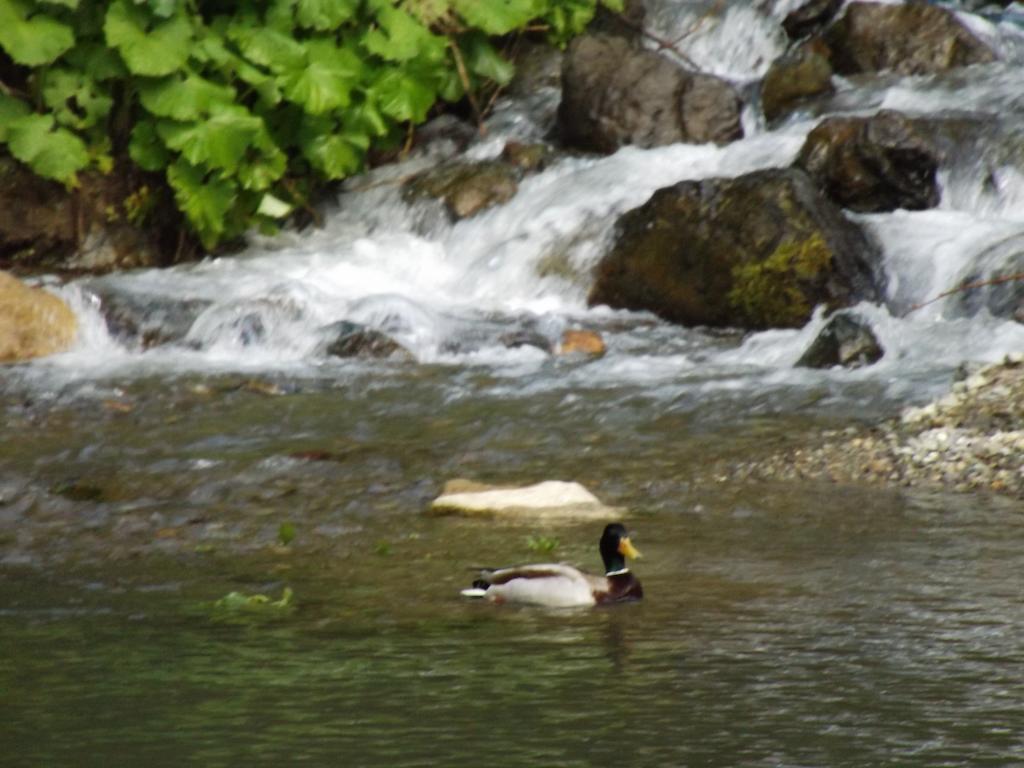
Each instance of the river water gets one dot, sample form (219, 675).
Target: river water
(784, 625)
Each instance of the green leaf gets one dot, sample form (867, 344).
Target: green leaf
(95, 58)
(53, 153)
(204, 201)
(184, 98)
(325, 83)
(75, 99)
(148, 47)
(219, 141)
(286, 530)
(497, 17)
(10, 109)
(324, 15)
(264, 167)
(483, 60)
(400, 37)
(402, 96)
(146, 148)
(268, 48)
(32, 41)
(332, 155)
(72, 4)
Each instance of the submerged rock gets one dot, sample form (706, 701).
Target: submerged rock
(581, 342)
(552, 499)
(616, 94)
(909, 39)
(345, 339)
(33, 322)
(466, 188)
(757, 251)
(846, 340)
(146, 320)
(872, 164)
(793, 78)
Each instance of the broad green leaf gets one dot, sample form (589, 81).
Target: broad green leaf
(497, 17)
(333, 156)
(72, 4)
(400, 37)
(163, 8)
(75, 99)
(324, 84)
(483, 60)
(324, 15)
(269, 48)
(263, 165)
(10, 108)
(184, 98)
(149, 47)
(95, 58)
(56, 154)
(403, 96)
(218, 141)
(614, 5)
(205, 201)
(32, 41)
(276, 208)
(146, 148)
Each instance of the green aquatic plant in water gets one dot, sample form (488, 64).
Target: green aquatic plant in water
(544, 545)
(246, 107)
(236, 606)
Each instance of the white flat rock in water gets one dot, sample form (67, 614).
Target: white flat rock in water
(549, 499)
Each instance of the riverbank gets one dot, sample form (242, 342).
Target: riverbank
(971, 439)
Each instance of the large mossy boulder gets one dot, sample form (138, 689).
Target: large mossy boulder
(910, 39)
(757, 251)
(33, 322)
(872, 164)
(615, 93)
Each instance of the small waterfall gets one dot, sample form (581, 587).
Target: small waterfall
(450, 292)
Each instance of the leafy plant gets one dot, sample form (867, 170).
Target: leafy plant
(544, 545)
(239, 104)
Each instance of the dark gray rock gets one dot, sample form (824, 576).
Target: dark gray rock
(846, 340)
(793, 78)
(757, 251)
(345, 339)
(615, 94)
(872, 164)
(810, 17)
(466, 188)
(145, 320)
(910, 39)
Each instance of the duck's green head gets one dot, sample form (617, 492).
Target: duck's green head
(616, 547)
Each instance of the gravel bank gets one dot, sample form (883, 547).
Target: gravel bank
(971, 439)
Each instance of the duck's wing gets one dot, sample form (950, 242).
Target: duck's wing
(556, 585)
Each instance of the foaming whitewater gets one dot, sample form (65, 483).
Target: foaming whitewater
(452, 294)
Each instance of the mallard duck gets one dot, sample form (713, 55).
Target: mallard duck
(558, 585)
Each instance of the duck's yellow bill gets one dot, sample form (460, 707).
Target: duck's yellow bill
(626, 548)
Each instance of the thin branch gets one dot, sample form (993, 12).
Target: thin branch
(968, 287)
(460, 65)
(714, 9)
(662, 42)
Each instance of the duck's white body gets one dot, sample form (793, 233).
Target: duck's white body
(555, 585)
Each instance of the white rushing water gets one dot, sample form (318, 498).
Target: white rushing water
(448, 292)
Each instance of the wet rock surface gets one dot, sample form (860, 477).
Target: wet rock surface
(846, 340)
(758, 251)
(972, 439)
(466, 189)
(794, 78)
(909, 39)
(616, 94)
(810, 17)
(872, 164)
(345, 339)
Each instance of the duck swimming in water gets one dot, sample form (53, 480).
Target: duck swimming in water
(557, 585)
